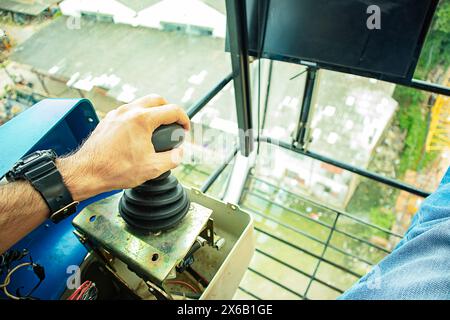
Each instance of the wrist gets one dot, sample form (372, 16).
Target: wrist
(79, 177)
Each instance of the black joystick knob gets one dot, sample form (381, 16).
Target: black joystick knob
(160, 203)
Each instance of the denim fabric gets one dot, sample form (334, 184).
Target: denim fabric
(419, 266)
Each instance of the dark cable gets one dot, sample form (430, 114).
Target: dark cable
(299, 74)
(201, 279)
(262, 38)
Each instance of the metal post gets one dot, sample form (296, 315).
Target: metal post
(238, 177)
(237, 35)
(266, 99)
(300, 134)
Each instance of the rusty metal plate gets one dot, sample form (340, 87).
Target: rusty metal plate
(150, 256)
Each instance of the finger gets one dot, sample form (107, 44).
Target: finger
(168, 114)
(168, 160)
(150, 100)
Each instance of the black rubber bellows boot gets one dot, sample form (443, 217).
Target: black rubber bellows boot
(158, 204)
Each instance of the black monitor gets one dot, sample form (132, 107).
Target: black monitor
(336, 34)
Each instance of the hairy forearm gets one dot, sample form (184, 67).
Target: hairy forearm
(22, 208)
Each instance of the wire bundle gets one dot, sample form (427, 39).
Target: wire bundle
(7, 259)
(5, 284)
(87, 291)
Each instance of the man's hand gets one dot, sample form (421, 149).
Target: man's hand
(119, 153)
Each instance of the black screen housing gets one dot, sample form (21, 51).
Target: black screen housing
(333, 34)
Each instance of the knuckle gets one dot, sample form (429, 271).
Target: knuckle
(141, 117)
(155, 96)
(123, 108)
(176, 110)
(150, 100)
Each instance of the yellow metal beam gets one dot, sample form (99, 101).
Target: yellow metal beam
(438, 138)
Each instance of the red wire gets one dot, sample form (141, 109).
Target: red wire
(183, 284)
(75, 293)
(83, 292)
(80, 291)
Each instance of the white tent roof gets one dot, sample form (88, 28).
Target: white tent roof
(108, 7)
(188, 12)
(185, 12)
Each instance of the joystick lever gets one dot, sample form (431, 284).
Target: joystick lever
(157, 204)
(167, 137)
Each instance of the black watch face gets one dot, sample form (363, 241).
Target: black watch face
(31, 157)
(28, 162)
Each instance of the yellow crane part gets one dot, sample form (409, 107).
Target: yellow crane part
(438, 138)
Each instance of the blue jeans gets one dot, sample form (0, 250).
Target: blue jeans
(419, 266)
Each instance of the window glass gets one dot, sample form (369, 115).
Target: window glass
(390, 129)
(435, 55)
(114, 52)
(280, 108)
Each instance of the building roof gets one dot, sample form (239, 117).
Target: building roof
(350, 116)
(138, 5)
(29, 7)
(127, 61)
(202, 15)
(184, 12)
(219, 5)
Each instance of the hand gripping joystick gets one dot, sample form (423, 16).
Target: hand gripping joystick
(160, 203)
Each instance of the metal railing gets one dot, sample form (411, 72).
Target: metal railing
(333, 226)
(327, 244)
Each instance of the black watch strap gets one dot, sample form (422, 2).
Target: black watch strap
(48, 181)
(40, 170)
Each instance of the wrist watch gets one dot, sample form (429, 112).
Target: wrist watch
(40, 170)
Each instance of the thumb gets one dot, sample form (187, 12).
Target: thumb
(168, 160)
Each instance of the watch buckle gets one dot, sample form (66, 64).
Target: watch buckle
(64, 212)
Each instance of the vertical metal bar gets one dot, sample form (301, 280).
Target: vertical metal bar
(300, 134)
(238, 39)
(238, 177)
(266, 100)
